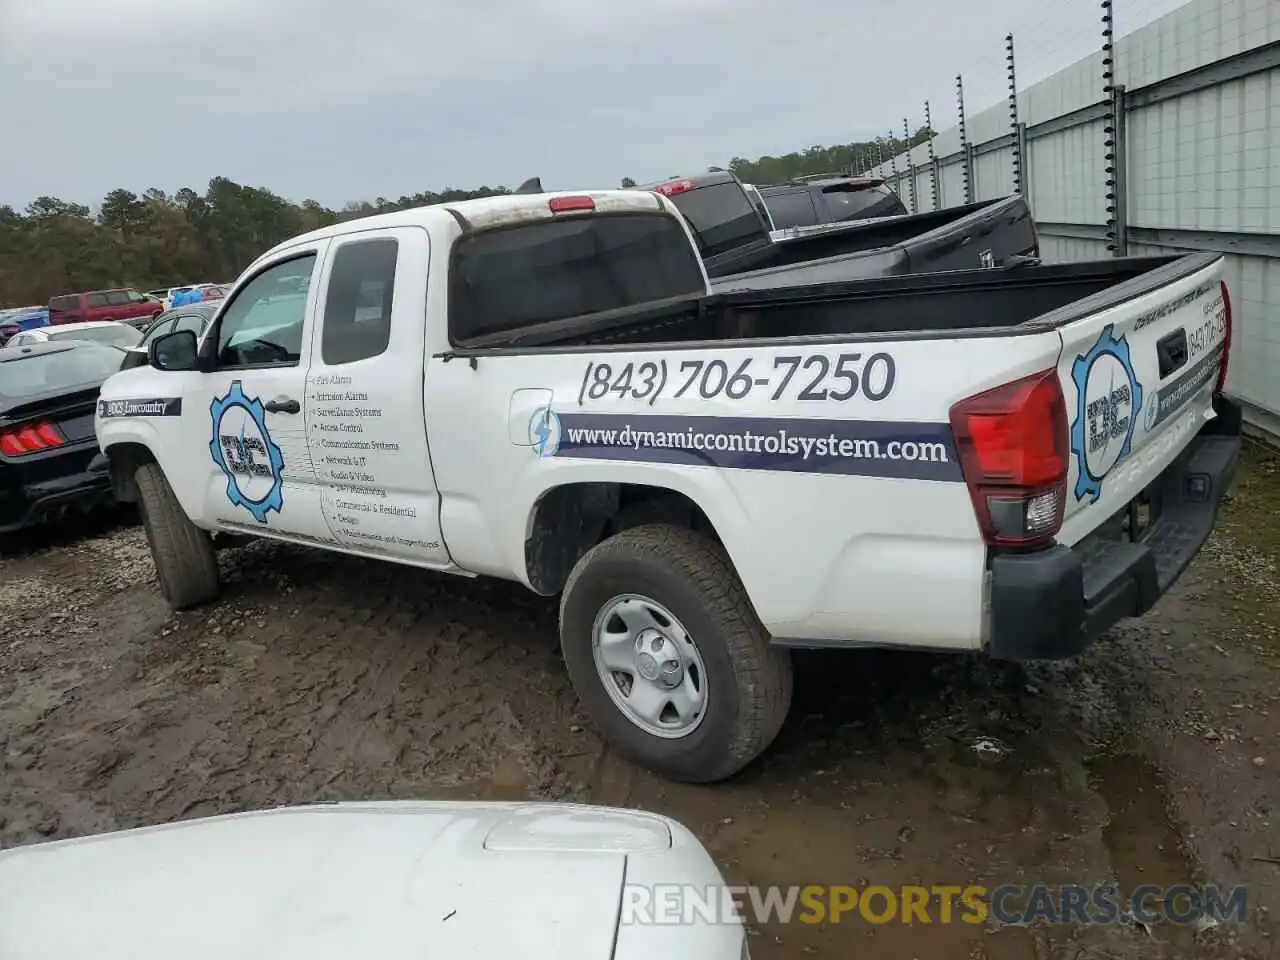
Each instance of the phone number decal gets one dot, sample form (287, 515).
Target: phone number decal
(812, 377)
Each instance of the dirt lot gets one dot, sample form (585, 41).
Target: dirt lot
(1153, 759)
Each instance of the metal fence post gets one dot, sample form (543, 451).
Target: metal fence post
(1110, 137)
(933, 160)
(966, 156)
(893, 162)
(911, 163)
(1022, 145)
(1120, 178)
(1013, 115)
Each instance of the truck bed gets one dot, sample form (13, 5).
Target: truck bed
(950, 239)
(953, 304)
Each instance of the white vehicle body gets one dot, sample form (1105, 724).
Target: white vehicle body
(847, 477)
(97, 331)
(387, 880)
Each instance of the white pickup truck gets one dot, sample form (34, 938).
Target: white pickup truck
(540, 388)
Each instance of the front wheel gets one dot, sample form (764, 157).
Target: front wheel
(183, 553)
(667, 655)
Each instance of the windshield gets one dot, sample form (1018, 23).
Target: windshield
(28, 374)
(120, 335)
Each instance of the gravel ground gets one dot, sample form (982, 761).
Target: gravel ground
(1151, 759)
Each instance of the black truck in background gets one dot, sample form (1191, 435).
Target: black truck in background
(734, 238)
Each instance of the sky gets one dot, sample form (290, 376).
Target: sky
(341, 100)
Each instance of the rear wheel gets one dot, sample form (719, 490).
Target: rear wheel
(183, 553)
(667, 655)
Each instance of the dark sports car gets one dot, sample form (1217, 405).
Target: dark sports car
(49, 458)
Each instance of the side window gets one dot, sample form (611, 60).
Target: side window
(357, 309)
(792, 209)
(117, 298)
(846, 203)
(159, 330)
(263, 323)
(190, 322)
(96, 299)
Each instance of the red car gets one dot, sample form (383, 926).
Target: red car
(120, 304)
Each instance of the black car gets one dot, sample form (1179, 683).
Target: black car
(49, 457)
(194, 317)
(811, 201)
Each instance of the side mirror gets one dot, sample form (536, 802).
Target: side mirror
(174, 351)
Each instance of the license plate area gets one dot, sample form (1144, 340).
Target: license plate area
(1133, 523)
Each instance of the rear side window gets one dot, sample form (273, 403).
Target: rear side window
(844, 203)
(791, 209)
(195, 324)
(64, 303)
(118, 298)
(516, 277)
(722, 217)
(159, 330)
(357, 309)
(96, 299)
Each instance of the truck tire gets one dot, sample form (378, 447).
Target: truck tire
(183, 553)
(667, 656)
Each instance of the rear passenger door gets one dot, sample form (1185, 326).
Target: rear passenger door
(366, 426)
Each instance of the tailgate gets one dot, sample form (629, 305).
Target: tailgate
(1138, 380)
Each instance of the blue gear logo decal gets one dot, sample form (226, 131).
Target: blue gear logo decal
(245, 452)
(1108, 398)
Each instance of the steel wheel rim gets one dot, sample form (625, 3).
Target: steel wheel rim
(649, 666)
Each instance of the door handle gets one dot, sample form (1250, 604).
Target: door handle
(284, 405)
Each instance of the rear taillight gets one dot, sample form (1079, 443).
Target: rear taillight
(1012, 442)
(30, 438)
(571, 204)
(1226, 338)
(674, 187)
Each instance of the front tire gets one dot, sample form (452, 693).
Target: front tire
(183, 553)
(667, 656)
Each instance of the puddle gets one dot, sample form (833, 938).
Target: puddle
(1141, 835)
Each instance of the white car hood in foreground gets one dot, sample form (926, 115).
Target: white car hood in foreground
(381, 881)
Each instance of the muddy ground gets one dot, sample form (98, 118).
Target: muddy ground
(1152, 759)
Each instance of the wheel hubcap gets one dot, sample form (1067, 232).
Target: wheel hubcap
(650, 666)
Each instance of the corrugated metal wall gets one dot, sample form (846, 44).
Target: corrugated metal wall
(1200, 147)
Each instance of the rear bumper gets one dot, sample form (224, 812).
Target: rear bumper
(29, 504)
(1055, 602)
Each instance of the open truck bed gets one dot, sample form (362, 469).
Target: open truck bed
(952, 304)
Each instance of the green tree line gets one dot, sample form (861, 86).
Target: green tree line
(156, 239)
